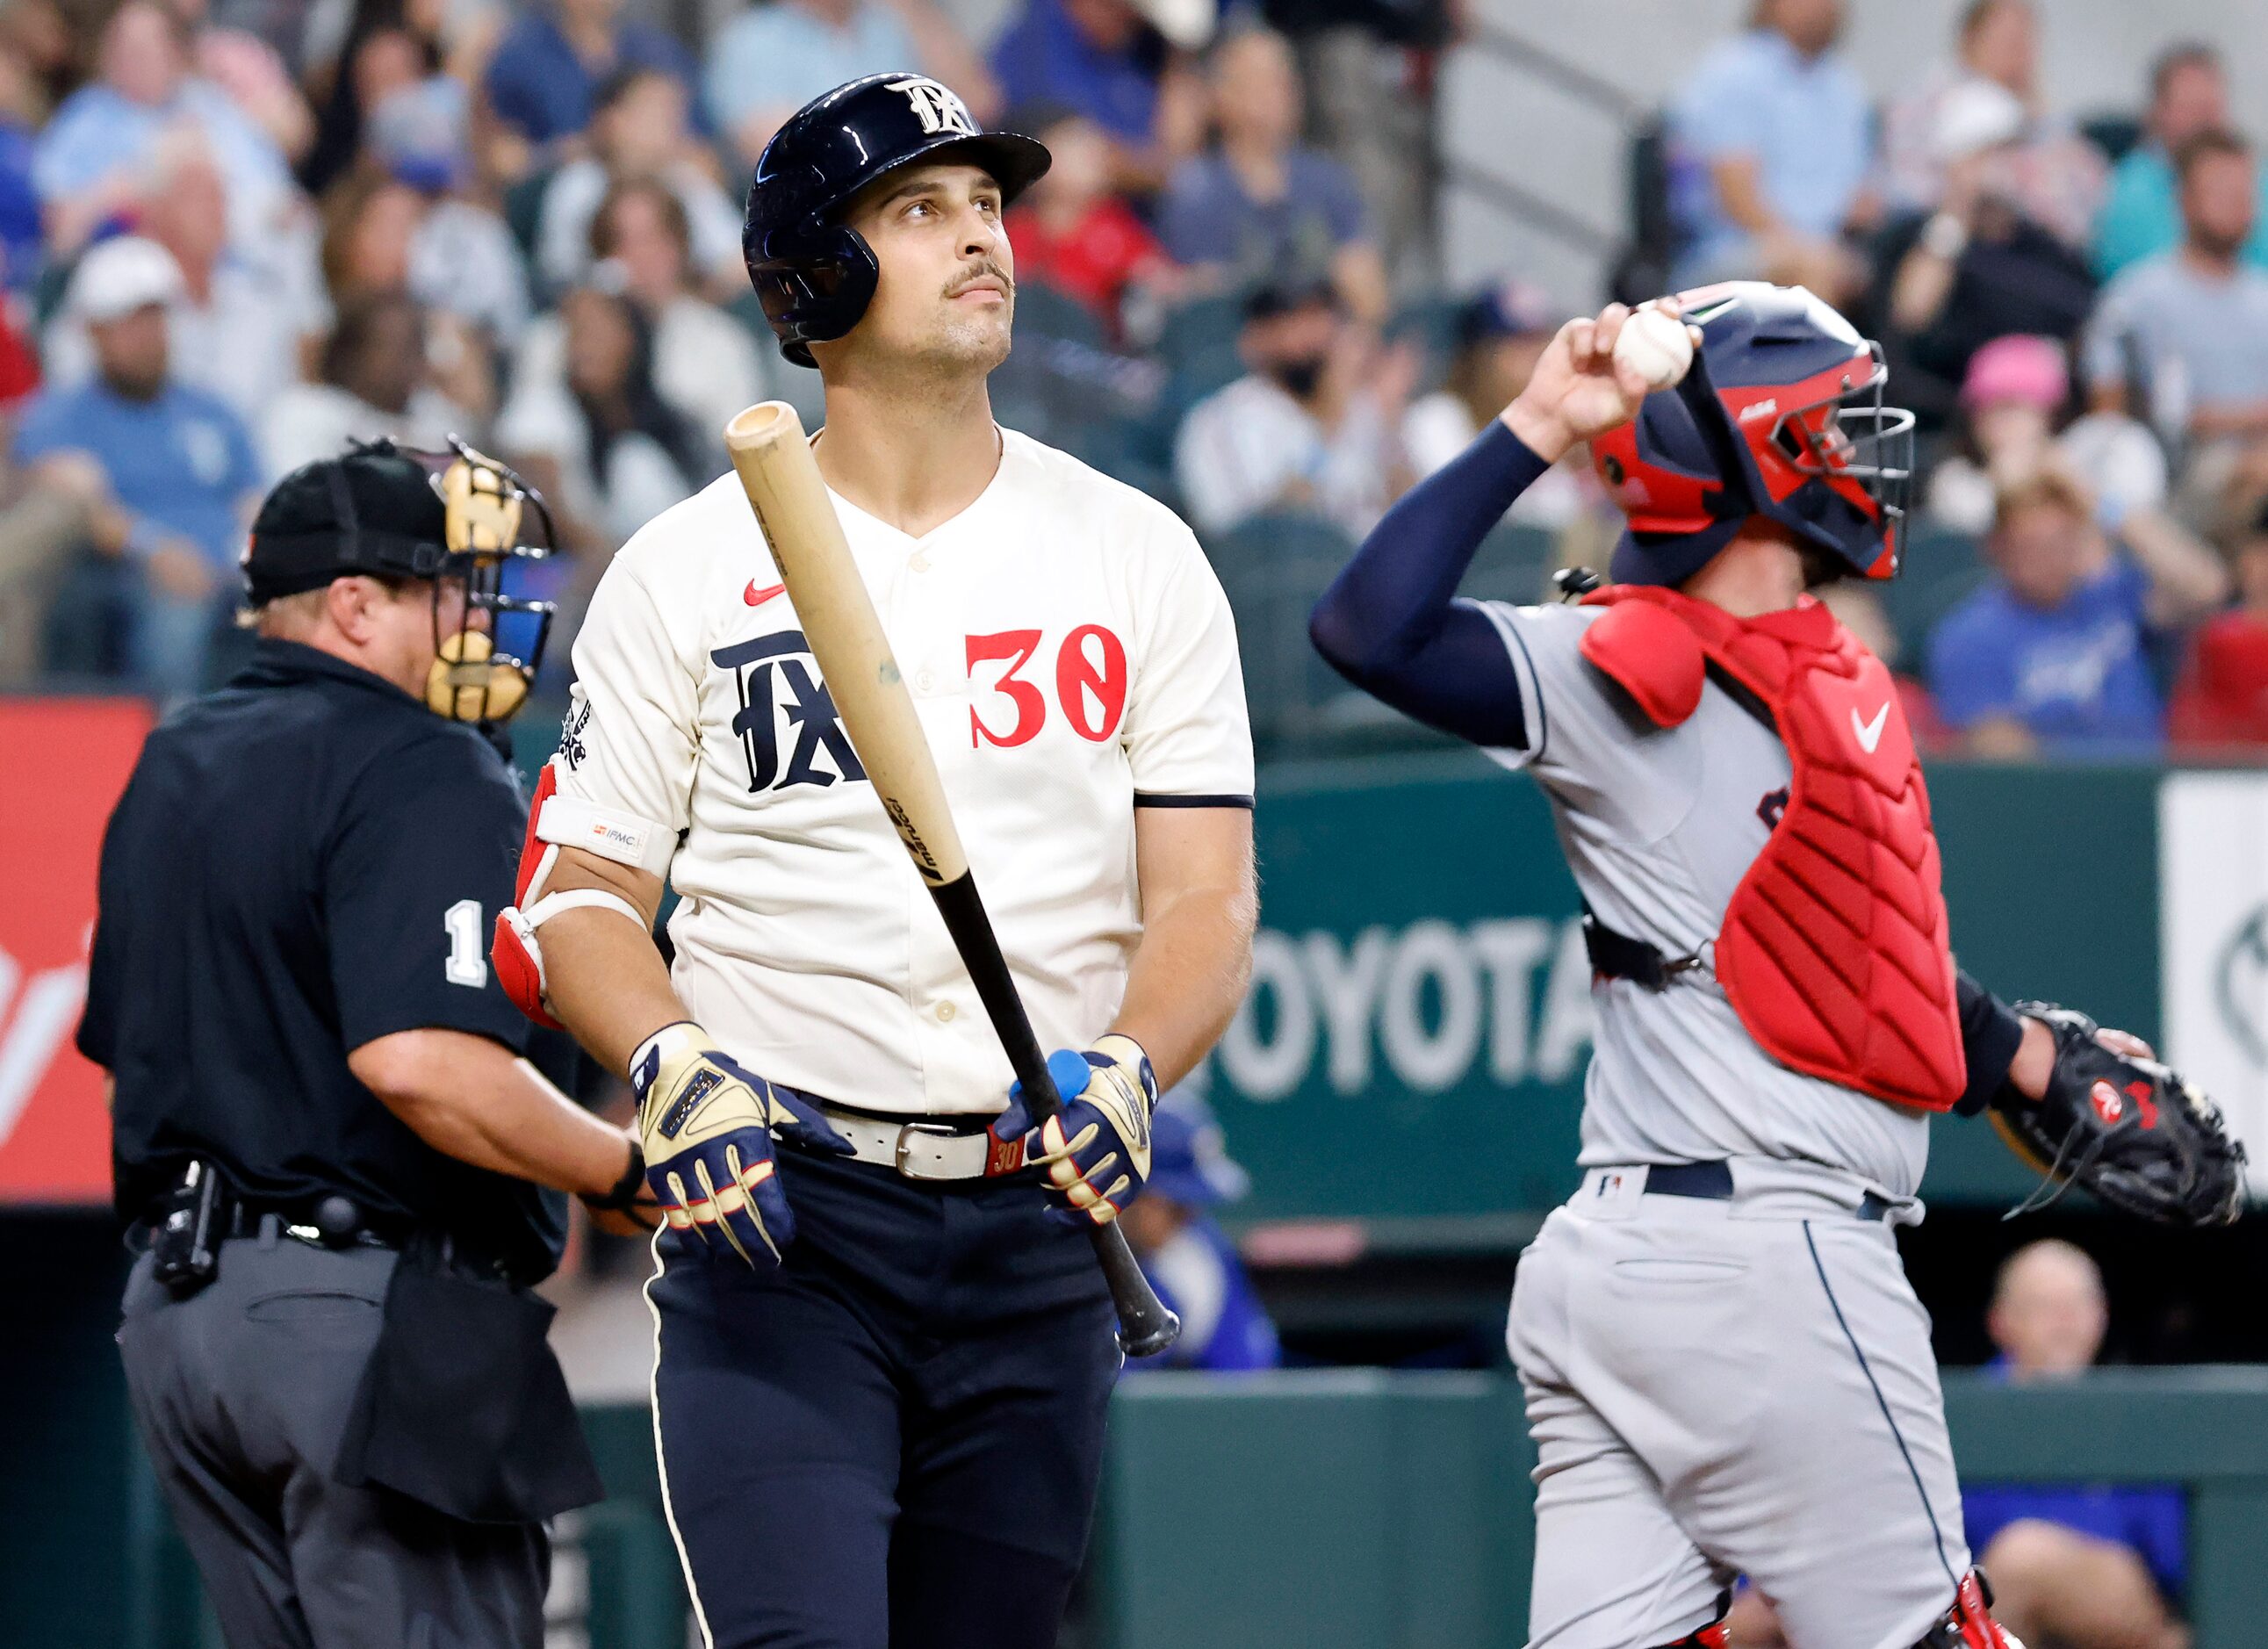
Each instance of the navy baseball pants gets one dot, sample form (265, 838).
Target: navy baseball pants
(891, 1442)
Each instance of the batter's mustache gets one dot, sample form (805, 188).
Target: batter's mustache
(988, 267)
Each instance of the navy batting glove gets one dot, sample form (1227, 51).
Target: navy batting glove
(1096, 1153)
(707, 1125)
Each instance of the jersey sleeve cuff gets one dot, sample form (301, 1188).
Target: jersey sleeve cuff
(1220, 798)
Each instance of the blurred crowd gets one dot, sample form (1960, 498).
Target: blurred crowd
(234, 233)
(2077, 310)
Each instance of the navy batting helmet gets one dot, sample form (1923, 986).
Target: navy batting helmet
(814, 275)
(1781, 416)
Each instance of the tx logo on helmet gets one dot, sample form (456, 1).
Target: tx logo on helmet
(936, 107)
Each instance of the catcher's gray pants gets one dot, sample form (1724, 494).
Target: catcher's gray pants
(1725, 1387)
(241, 1392)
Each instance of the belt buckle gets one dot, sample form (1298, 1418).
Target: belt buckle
(906, 1132)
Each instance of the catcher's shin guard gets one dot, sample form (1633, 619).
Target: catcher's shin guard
(1969, 1624)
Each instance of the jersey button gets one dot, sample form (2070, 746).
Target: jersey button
(919, 563)
(925, 681)
(945, 1012)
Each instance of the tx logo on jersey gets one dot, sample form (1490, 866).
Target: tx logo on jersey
(783, 703)
(936, 107)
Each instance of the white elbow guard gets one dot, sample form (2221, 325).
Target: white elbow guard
(556, 822)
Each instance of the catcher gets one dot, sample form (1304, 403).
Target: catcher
(1726, 1368)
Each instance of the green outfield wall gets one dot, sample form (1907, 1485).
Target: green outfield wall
(1362, 1509)
(1413, 1048)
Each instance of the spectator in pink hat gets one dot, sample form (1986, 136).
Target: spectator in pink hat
(2012, 403)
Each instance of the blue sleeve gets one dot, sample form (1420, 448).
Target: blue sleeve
(43, 430)
(1016, 65)
(1971, 671)
(1191, 223)
(1390, 623)
(1341, 204)
(1720, 112)
(2127, 588)
(245, 472)
(658, 48)
(512, 91)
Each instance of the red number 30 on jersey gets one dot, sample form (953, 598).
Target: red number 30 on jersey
(1090, 684)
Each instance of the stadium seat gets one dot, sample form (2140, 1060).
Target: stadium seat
(523, 215)
(1940, 570)
(2114, 133)
(1514, 564)
(1274, 568)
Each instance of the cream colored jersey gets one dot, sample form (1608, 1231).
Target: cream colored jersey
(1071, 658)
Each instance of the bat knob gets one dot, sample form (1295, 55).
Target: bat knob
(1067, 1070)
(1150, 1338)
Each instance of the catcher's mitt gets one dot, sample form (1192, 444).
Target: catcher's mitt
(2128, 1129)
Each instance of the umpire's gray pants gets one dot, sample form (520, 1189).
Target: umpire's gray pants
(242, 1392)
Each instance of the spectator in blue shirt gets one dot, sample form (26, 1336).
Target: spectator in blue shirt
(21, 229)
(1189, 1259)
(2053, 653)
(547, 69)
(168, 472)
(2087, 1567)
(1770, 146)
(2142, 216)
(93, 156)
(1260, 208)
(1120, 63)
(771, 60)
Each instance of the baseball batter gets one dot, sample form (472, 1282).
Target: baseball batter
(1726, 1370)
(883, 1348)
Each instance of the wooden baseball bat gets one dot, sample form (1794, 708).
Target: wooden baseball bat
(781, 477)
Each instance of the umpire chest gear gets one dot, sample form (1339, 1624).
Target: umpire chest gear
(814, 274)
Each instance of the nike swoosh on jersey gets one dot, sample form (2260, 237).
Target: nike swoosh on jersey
(754, 597)
(1870, 732)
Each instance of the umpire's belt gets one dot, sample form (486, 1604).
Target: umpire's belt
(926, 1147)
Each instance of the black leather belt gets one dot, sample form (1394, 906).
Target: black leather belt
(327, 1222)
(1712, 1181)
(338, 1222)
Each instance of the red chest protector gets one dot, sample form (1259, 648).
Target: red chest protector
(1834, 949)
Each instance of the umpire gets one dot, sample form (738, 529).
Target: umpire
(326, 1139)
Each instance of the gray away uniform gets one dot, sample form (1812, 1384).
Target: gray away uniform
(1715, 1387)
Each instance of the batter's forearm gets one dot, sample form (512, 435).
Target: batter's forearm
(1187, 977)
(607, 984)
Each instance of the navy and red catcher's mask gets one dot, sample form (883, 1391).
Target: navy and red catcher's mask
(1781, 416)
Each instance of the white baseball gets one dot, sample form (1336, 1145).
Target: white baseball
(1655, 346)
